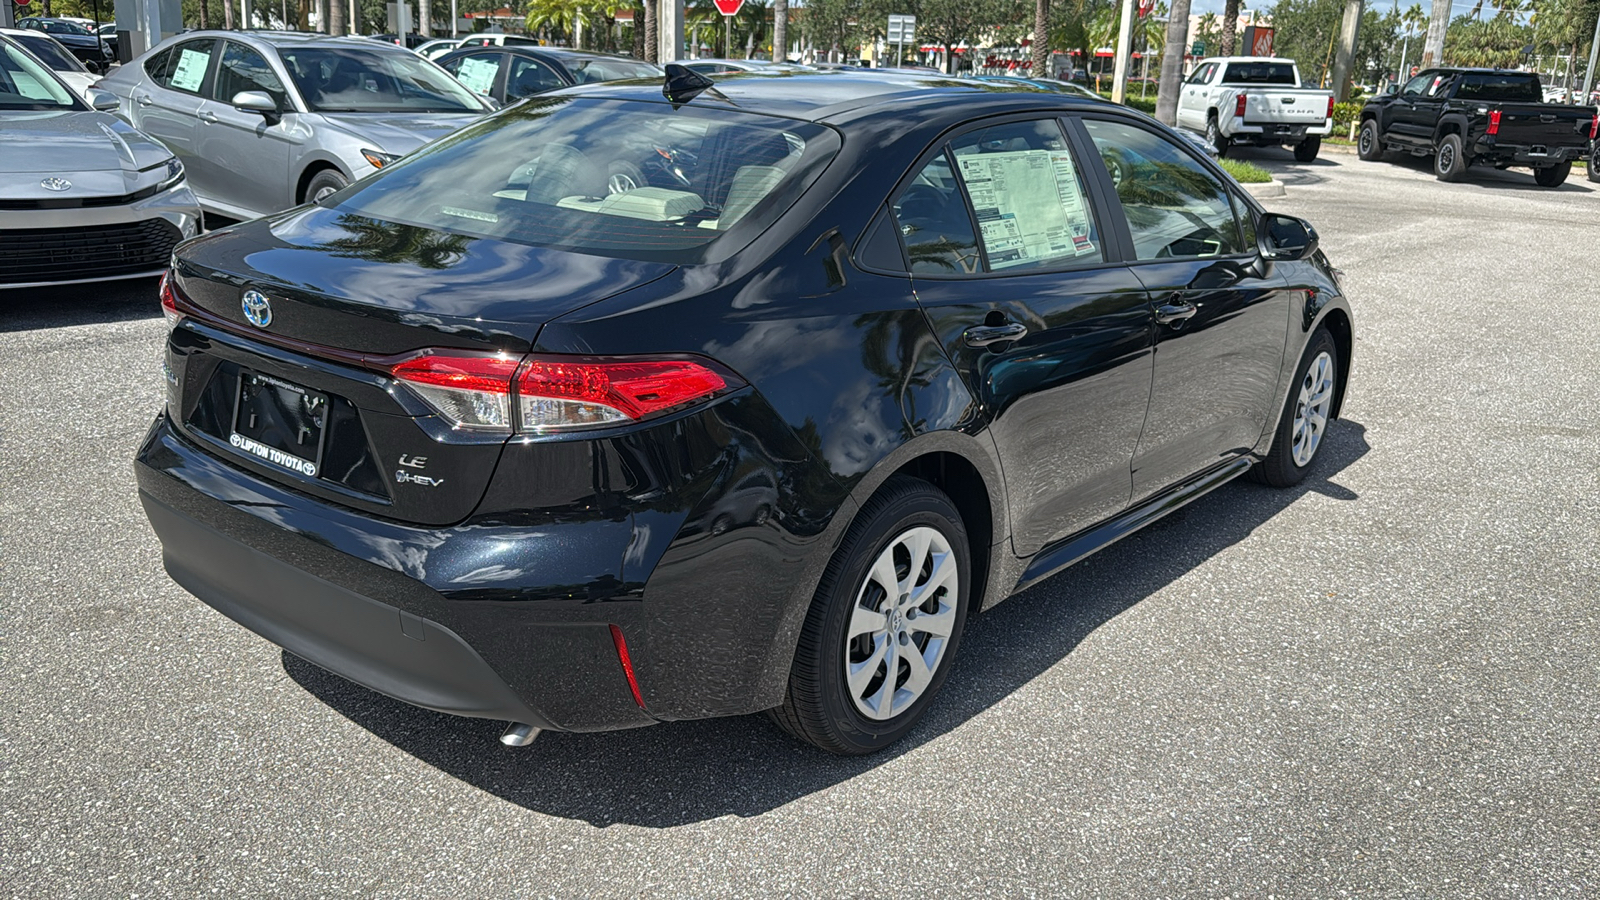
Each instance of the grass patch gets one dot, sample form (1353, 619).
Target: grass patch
(1246, 173)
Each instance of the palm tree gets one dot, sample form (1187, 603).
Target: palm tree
(1230, 26)
(1041, 39)
(557, 15)
(780, 30)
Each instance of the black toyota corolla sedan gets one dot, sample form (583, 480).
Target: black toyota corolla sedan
(844, 360)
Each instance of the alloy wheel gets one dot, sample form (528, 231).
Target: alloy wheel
(621, 183)
(905, 612)
(1311, 409)
(323, 193)
(1447, 158)
(1367, 139)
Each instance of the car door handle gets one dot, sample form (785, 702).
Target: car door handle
(1175, 312)
(142, 99)
(984, 335)
(208, 116)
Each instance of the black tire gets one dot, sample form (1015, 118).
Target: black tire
(1306, 150)
(1450, 162)
(1281, 468)
(1369, 145)
(818, 707)
(326, 181)
(1594, 164)
(1215, 137)
(1553, 176)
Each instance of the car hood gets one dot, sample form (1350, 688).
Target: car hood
(399, 132)
(99, 153)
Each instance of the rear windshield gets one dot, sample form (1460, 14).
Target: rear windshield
(1260, 73)
(629, 179)
(1508, 86)
(596, 68)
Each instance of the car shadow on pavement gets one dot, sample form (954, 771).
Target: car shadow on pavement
(1497, 179)
(32, 309)
(679, 773)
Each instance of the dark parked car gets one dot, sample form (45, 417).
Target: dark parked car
(486, 435)
(1467, 117)
(513, 73)
(86, 45)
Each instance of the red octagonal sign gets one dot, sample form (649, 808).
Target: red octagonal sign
(728, 7)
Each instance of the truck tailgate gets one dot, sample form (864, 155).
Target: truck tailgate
(1285, 107)
(1550, 124)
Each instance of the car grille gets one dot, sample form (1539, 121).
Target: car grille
(80, 202)
(97, 251)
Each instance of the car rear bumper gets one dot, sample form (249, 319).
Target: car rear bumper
(1488, 149)
(1268, 133)
(256, 558)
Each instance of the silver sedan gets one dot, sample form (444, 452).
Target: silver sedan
(268, 120)
(83, 195)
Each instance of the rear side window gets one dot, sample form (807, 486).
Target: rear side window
(1175, 208)
(186, 69)
(243, 69)
(617, 178)
(1260, 73)
(935, 223)
(1507, 87)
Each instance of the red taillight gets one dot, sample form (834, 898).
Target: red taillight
(1594, 127)
(1494, 122)
(555, 394)
(1330, 107)
(473, 392)
(169, 300)
(1238, 106)
(627, 664)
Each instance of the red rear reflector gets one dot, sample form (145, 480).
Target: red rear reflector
(1238, 106)
(555, 393)
(1494, 122)
(169, 300)
(627, 664)
(490, 374)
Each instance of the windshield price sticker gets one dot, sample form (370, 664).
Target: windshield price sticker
(1029, 206)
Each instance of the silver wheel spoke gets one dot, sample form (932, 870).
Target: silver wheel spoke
(940, 623)
(866, 621)
(860, 674)
(895, 623)
(1311, 412)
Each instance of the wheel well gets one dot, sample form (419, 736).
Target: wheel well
(1338, 325)
(310, 173)
(1449, 128)
(962, 483)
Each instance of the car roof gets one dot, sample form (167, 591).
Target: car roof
(820, 95)
(290, 38)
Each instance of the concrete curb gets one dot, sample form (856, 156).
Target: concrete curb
(1264, 190)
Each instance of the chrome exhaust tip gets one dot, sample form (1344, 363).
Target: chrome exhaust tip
(519, 735)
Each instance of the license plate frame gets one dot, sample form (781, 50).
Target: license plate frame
(276, 421)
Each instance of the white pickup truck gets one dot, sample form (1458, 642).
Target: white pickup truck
(1255, 100)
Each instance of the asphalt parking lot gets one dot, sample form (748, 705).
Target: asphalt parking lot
(1383, 683)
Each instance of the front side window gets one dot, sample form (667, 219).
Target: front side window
(610, 177)
(243, 69)
(1203, 74)
(528, 77)
(186, 68)
(1417, 85)
(335, 79)
(25, 84)
(1175, 208)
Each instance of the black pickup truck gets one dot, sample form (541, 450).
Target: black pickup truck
(1466, 117)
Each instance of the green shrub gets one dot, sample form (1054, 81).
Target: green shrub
(1246, 173)
(1343, 115)
(1146, 105)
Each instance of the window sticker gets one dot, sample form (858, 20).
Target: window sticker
(1028, 204)
(478, 74)
(191, 70)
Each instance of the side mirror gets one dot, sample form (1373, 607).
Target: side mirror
(258, 102)
(102, 100)
(1283, 238)
(1391, 89)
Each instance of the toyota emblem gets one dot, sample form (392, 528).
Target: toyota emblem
(257, 309)
(56, 184)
